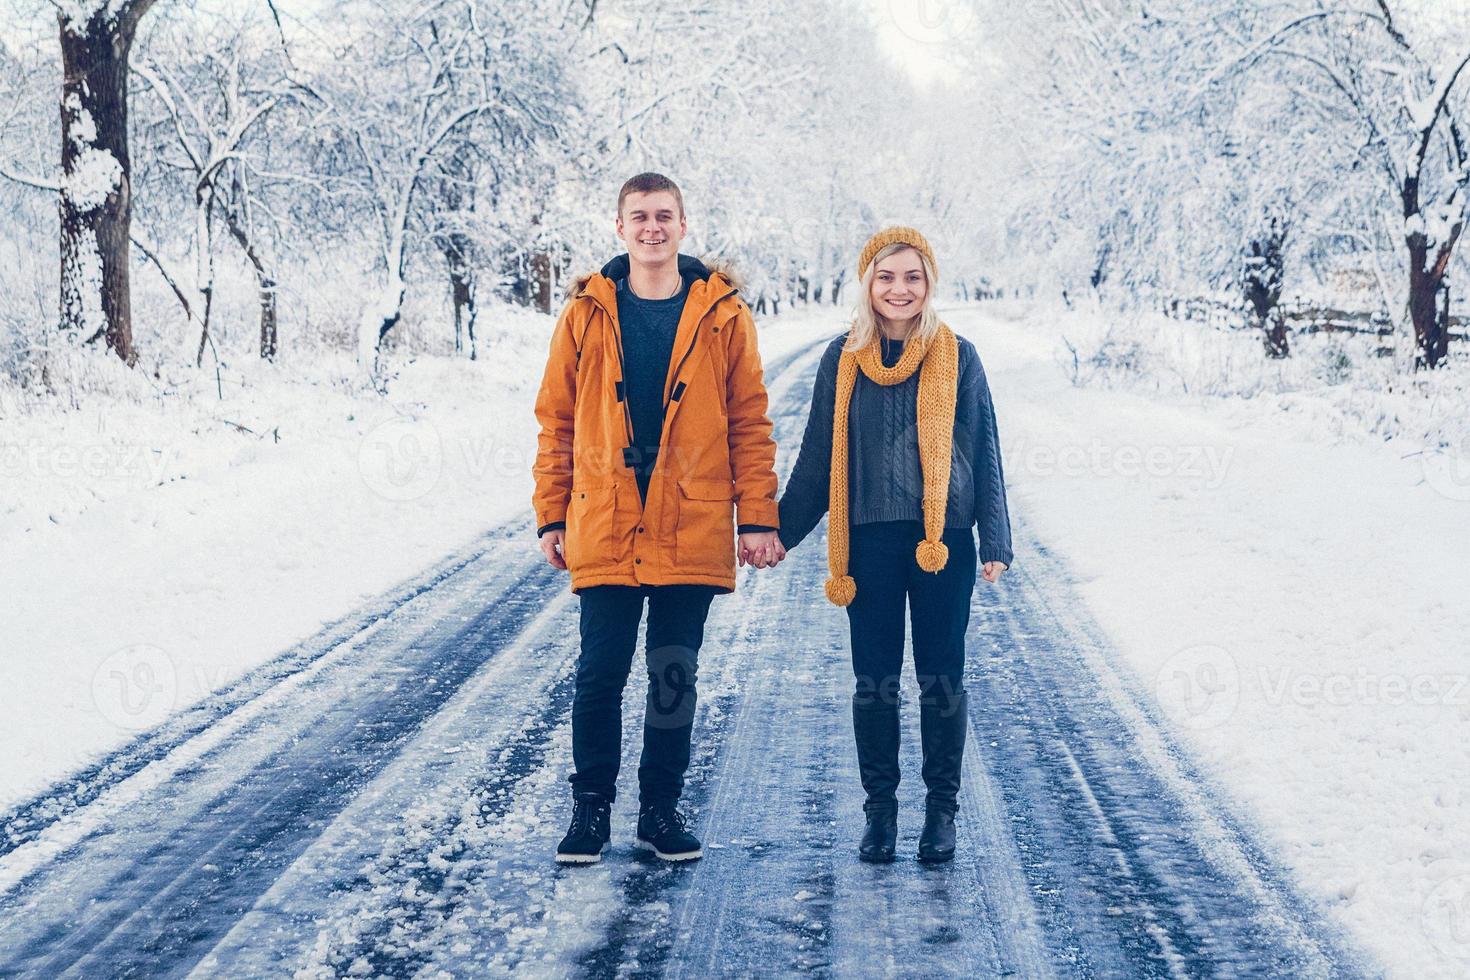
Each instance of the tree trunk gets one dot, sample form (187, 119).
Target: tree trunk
(269, 340)
(1428, 310)
(1263, 275)
(96, 188)
(265, 283)
(1277, 344)
(541, 280)
(462, 288)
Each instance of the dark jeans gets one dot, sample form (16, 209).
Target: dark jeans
(610, 616)
(882, 563)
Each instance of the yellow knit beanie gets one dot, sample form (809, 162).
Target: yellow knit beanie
(893, 236)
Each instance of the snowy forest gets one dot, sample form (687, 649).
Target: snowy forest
(287, 684)
(216, 180)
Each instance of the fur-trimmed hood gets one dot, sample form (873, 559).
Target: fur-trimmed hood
(690, 268)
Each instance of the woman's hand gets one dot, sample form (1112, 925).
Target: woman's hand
(993, 569)
(763, 550)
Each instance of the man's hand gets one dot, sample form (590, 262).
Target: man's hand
(761, 549)
(993, 569)
(553, 546)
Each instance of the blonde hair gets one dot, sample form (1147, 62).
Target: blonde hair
(865, 321)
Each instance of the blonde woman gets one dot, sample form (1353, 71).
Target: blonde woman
(901, 446)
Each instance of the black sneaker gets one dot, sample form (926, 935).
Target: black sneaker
(590, 832)
(661, 830)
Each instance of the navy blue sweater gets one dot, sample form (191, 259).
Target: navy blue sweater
(885, 479)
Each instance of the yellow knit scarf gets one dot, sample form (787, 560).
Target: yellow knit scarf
(938, 380)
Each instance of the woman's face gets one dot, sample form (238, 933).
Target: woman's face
(899, 285)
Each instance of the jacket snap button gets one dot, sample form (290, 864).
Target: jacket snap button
(637, 561)
(640, 530)
(717, 329)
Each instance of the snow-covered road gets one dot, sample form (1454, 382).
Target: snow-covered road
(385, 799)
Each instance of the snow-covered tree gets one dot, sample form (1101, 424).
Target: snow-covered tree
(96, 190)
(213, 90)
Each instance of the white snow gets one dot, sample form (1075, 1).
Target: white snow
(82, 284)
(1292, 589)
(156, 551)
(1289, 585)
(95, 174)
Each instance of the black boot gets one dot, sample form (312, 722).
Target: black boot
(880, 835)
(936, 842)
(661, 830)
(875, 727)
(943, 722)
(590, 832)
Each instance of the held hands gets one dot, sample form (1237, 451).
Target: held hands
(992, 570)
(762, 549)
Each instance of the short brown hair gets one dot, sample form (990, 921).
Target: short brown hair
(647, 183)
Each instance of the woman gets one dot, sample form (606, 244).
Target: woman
(902, 446)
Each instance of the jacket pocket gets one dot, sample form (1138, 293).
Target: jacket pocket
(705, 535)
(590, 517)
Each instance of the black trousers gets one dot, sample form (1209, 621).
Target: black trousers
(609, 624)
(882, 564)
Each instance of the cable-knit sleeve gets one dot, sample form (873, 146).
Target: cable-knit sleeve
(807, 491)
(991, 513)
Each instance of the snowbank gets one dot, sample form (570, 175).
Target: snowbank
(156, 549)
(1290, 586)
(159, 546)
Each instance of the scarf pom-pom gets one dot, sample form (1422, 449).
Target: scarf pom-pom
(841, 591)
(931, 555)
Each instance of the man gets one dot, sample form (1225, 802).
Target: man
(653, 430)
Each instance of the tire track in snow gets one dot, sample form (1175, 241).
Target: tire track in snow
(386, 798)
(484, 873)
(1135, 863)
(147, 882)
(28, 820)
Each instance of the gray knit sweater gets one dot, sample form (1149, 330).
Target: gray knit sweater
(885, 480)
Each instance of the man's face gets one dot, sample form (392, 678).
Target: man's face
(652, 226)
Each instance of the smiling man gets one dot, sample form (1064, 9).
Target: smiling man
(654, 437)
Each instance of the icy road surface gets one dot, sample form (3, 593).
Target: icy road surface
(384, 800)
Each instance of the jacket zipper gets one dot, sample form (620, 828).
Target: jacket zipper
(692, 340)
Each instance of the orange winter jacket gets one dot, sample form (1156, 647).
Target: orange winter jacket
(716, 454)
